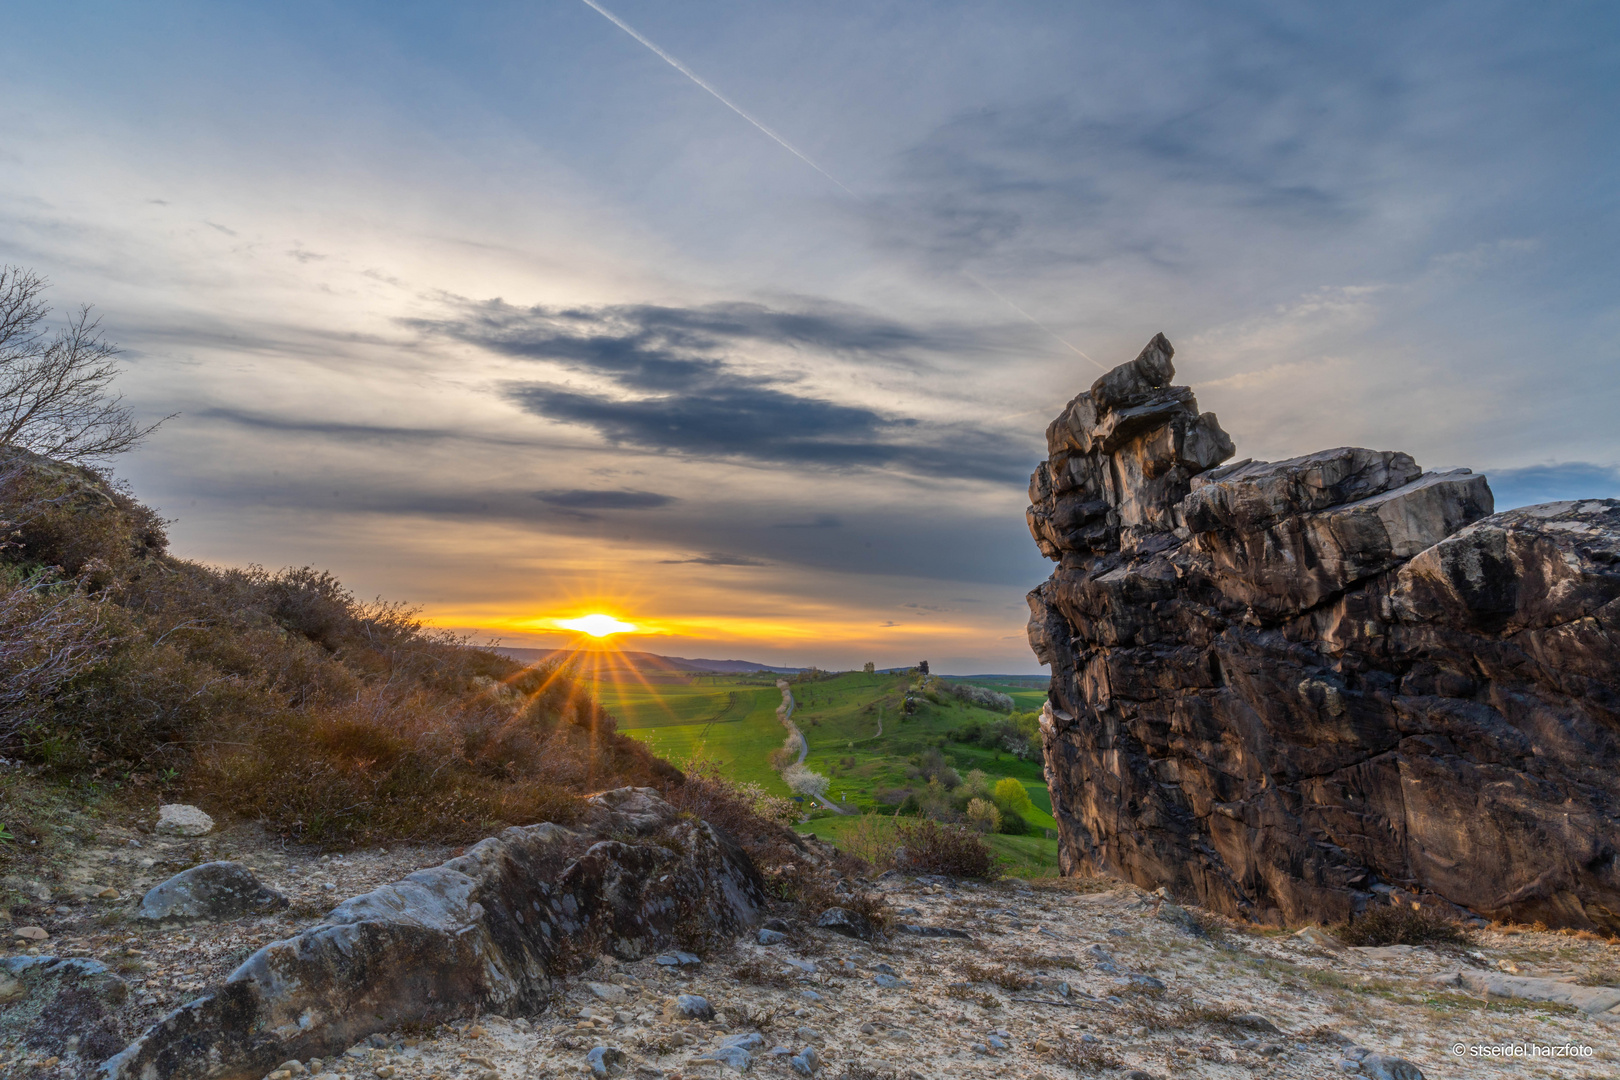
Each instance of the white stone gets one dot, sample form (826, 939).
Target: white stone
(178, 819)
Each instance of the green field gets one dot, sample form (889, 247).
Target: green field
(733, 725)
(731, 720)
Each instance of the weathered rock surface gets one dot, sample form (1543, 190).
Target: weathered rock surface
(1292, 689)
(486, 932)
(216, 890)
(1491, 984)
(49, 1004)
(180, 819)
(849, 923)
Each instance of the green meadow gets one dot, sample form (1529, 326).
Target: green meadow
(859, 737)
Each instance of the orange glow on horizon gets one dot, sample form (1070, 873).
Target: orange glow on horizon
(597, 625)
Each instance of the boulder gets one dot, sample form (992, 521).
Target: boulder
(1278, 688)
(210, 893)
(1594, 1000)
(602, 1059)
(179, 819)
(691, 1007)
(487, 932)
(62, 1007)
(1376, 1066)
(849, 923)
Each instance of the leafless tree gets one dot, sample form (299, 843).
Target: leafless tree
(55, 394)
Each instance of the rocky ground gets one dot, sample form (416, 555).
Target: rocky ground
(1056, 978)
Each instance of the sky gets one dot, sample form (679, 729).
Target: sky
(493, 309)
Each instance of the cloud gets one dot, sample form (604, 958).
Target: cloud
(662, 346)
(820, 521)
(717, 558)
(680, 382)
(1533, 484)
(586, 499)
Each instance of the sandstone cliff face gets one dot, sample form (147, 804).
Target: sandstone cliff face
(1292, 689)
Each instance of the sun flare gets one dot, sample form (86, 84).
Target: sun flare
(597, 625)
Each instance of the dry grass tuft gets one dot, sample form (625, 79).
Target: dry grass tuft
(999, 975)
(935, 848)
(1400, 925)
(760, 973)
(1085, 1057)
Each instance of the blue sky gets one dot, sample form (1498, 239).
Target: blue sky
(490, 308)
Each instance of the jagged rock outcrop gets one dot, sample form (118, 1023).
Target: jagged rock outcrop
(487, 932)
(1292, 689)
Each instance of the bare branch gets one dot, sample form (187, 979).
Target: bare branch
(55, 393)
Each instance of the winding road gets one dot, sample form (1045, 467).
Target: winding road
(784, 713)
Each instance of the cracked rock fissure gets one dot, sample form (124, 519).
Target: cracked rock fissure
(1289, 690)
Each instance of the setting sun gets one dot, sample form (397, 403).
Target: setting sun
(597, 625)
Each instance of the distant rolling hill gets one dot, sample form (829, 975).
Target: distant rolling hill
(651, 663)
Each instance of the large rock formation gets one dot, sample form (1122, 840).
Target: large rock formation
(1292, 689)
(486, 932)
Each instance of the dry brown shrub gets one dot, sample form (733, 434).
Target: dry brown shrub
(746, 813)
(961, 992)
(998, 974)
(872, 839)
(1400, 925)
(1085, 1057)
(935, 848)
(761, 973)
(815, 893)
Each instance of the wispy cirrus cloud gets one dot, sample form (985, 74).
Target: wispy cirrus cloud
(716, 558)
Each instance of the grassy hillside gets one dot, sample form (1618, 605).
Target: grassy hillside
(731, 720)
(131, 677)
(725, 719)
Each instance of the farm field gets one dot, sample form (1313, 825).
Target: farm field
(731, 721)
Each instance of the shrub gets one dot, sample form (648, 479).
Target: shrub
(871, 839)
(984, 816)
(1398, 924)
(276, 695)
(49, 635)
(976, 785)
(935, 848)
(1012, 824)
(1012, 797)
(931, 765)
(747, 813)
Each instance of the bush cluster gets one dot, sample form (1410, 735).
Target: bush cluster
(950, 797)
(934, 847)
(984, 698)
(1018, 735)
(275, 695)
(1398, 924)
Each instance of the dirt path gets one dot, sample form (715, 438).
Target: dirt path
(784, 713)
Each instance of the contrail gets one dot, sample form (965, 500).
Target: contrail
(796, 152)
(718, 96)
(1059, 337)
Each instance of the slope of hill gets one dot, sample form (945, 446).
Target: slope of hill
(130, 677)
(877, 757)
